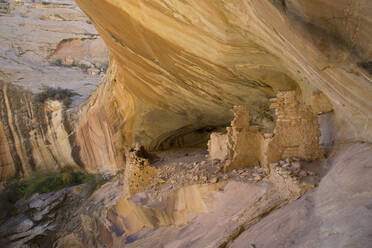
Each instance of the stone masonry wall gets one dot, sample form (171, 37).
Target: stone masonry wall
(138, 172)
(296, 134)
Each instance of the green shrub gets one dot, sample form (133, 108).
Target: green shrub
(42, 182)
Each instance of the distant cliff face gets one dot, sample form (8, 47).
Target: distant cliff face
(33, 136)
(51, 45)
(178, 66)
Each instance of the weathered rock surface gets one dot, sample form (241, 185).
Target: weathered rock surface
(240, 214)
(34, 136)
(52, 45)
(227, 213)
(37, 37)
(39, 218)
(176, 70)
(336, 214)
(177, 67)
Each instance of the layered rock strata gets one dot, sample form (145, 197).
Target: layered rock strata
(184, 65)
(178, 69)
(34, 135)
(44, 45)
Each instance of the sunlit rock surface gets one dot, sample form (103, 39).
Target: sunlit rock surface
(50, 44)
(34, 136)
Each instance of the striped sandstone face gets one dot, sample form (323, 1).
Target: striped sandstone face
(178, 66)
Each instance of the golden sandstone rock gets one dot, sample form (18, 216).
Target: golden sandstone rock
(320, 103)
(185, 65)
(181, 66)
(178, 67)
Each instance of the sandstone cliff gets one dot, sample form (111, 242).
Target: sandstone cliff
(179, 66)
(44, 45)
(176, 70)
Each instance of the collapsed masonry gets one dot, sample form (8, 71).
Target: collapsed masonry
(296, 134)
(138, 172)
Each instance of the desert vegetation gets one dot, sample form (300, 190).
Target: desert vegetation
(59, 94)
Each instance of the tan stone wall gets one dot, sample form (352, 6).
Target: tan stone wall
(241, 146)
(138, 172)
(244, 147)
(217, 146)
(296, 133)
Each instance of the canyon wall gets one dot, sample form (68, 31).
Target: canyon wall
(177, 69)
(44, 46)
(178, 66)
(33, 135)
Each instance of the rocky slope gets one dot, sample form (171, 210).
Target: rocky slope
(37, 37)
(239, 209)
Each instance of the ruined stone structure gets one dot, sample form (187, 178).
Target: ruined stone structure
(217, 146)
(138, 172)
(244, 142)
(184, 65)
(296, 134)
(241, 146)
(176, 69)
